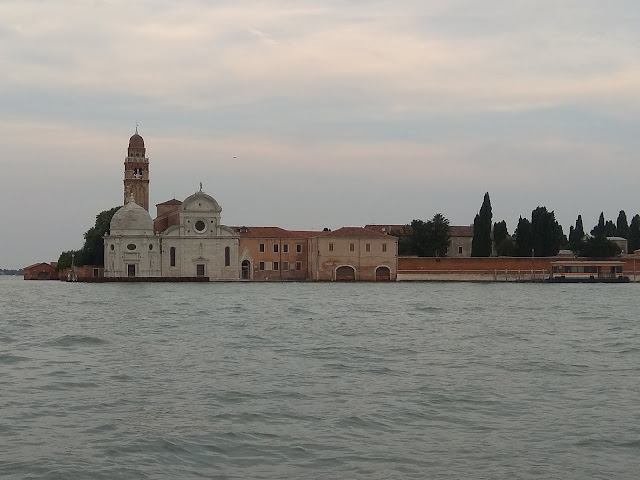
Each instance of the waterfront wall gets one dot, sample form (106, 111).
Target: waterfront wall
(492, 269)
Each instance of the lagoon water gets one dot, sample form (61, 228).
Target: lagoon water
(375, 381)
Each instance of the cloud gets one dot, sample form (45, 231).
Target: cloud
(198, 55)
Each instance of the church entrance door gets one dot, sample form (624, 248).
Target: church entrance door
(246, 266)
(131, 270)
(200, 270)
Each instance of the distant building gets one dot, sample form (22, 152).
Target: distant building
(273, 253)
(461, 237)
(354, 253)
(41, 271)
(621, 242)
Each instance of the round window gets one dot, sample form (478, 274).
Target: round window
(200, 226)
(131, 246)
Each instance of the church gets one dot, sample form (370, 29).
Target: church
(186, 239)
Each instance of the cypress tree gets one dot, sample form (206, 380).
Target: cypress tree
(599, 228)
(622, 226)
(610, 229)
(500, 232)
(546, 233)
(634, 233)
(523, 238)
(481, 243)
(576, 235)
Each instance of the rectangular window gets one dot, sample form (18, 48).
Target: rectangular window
(96, 272)
(367, 247)
(384, 247)
(285, 265)
(261, 265)
(331, 247)
(262, 248)
(276, 266)
(459, 250)
(285, 248)
(227, 256)
(275, 248)
(352, 247)
(298, 265)
(298, 248)
(200, 270)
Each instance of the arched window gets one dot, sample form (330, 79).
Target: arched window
(172, 256)
(227, 256)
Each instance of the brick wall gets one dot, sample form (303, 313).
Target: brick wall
(492, 264)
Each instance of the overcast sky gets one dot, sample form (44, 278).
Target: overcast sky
(314, 113)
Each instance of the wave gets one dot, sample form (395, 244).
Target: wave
(74, 340)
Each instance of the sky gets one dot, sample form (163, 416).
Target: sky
(313, 114)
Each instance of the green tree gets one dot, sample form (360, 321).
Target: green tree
(599, 247)
(576, 235)
(506, 248)
(634, 233)
(599, 228)
(93, 249)
(418, 238)
(524, 242)
(481, 243)
(610, 229)
(65, 258)
(622, 227)
(500, 232)
(92, 252)
(546, 233)
(438, 237)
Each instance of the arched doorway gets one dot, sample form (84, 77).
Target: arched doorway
(383, 274)
(246, 270)
(345, 273)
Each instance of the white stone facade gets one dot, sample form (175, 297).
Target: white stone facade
(131, 249)
(198, 246)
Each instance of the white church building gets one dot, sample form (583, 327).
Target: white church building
(186, 240)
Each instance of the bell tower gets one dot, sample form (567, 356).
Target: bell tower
(136, 172)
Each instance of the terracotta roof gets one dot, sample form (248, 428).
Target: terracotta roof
(273, 232)
(37, 265)
(173, 201)
(461, 231)
(355, 232)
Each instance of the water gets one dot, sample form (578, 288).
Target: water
(428, 380)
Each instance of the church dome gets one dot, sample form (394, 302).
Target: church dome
(136, 141)
(131, 219)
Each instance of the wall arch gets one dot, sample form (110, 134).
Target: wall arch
(344, 273)
(383, 273)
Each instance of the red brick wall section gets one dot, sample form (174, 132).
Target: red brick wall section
(492, 264)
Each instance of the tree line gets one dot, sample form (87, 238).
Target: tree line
(539, 236)
(10, 271)
(92, 251)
